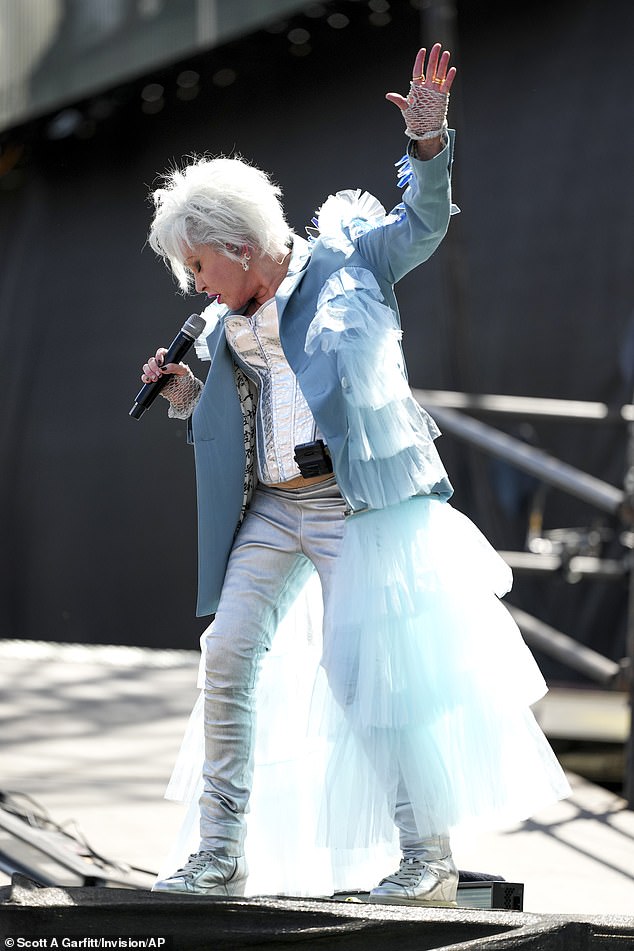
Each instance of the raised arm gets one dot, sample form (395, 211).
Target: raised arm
(414, 229)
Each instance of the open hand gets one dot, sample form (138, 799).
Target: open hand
(438, 76)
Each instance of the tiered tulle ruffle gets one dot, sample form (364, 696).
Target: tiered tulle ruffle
(431, 682)
(389, 454)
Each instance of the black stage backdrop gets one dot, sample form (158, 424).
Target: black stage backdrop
(531, 293)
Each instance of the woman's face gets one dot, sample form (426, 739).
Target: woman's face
(218, 276)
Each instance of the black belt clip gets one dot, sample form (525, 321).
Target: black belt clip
(313, 458)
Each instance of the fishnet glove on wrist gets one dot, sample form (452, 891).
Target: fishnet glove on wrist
(183, 392)
(426, 113)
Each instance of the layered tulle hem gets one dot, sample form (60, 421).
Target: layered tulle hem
(421, 690)
(430, 683)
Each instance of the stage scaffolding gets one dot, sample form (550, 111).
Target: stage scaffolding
(455, 414)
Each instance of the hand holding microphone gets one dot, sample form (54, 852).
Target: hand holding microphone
(157, 374)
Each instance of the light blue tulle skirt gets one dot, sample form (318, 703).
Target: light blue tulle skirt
(423, 684)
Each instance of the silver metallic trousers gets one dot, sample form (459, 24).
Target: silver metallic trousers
(284, 534)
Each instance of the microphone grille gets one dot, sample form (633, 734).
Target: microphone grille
(194, 325)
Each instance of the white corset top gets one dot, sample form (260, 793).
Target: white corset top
(283, 418)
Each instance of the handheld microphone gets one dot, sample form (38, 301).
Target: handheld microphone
(180, 345)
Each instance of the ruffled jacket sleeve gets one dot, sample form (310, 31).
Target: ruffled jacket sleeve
(410, 234)
(388, 452)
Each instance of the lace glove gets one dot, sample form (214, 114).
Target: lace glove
(426, 112)
(183, 393)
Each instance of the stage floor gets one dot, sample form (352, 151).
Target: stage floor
(91, 734)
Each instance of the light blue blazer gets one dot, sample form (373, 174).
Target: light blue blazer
(410, 235)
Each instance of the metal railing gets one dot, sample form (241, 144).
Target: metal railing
(450, 410)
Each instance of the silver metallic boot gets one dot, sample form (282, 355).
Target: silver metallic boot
(207, 873)
(426, 876)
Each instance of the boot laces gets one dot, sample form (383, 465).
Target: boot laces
(409, 871)
(194, 864)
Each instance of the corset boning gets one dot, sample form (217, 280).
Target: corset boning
(283, 418)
